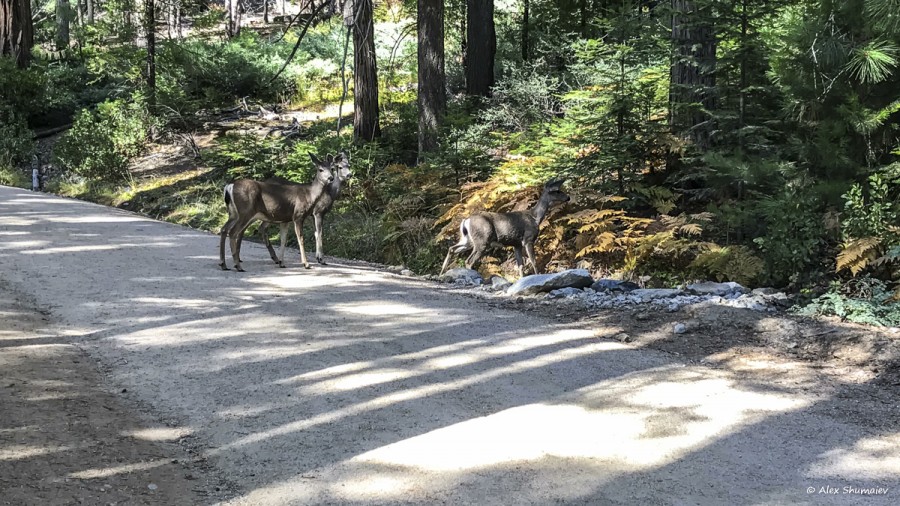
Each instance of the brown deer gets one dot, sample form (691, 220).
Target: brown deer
(518, 229)
(342, 164)
(249, 200)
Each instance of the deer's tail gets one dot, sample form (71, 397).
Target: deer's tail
(229, 199)
(464, 240)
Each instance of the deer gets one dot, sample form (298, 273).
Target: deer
(249, 200)
(517, 229)
(323, 205)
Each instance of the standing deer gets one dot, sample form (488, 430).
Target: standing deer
(249, 200)
(518, 229)
(323, 205)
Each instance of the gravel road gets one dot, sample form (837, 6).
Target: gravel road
(345, 385)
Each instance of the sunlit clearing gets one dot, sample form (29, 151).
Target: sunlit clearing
(105, 472)
(874, 457)
(626, 421)
(382, 309)
(19, 452)
(159, 433)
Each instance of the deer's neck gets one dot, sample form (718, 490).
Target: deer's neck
(540, 210)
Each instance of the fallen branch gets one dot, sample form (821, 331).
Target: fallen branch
(50, 131)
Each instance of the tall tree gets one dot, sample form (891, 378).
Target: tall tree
(365, 73)
(63, 17)
(481, 47)
(693, 75)
(16, 30)
(432, 91)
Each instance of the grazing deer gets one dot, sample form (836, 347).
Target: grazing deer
(249, 200)
(323, 205)
(518, 229)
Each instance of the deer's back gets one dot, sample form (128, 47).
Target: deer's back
(275, 202)
(508, 229)
(325, 202)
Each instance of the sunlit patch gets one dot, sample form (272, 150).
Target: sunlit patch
(328, 372)
(24, 244)
(105, 472)
(19, 452)
(625, 421)
(96, 218)
(368, 379)
(159, 433)
(97, 247)
(868, 458)
(378, 309)
(10, 232)
(51, 396)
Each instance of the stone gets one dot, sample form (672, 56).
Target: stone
(407, 272)
(462, 276)
(622, 337)
(720, 289)
(499, 283)
(648, 294)
(539, 283)
(679, 328)
(613, 285)
(764, 291)
(564, 292)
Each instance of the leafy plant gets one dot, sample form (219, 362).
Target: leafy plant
(863, 300)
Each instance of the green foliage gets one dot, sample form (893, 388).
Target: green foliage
(732, 263)
(16, 146)
(863, 300)
(101, 143)
(794, 235)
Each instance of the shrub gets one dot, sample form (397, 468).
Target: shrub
(16, 146)
(102, 143)
(863, 300)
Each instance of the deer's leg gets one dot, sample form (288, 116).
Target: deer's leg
(263, 231)
(318, 222)
(283, 232)
(222, 235)
(298, 229)
(475, 256)
(529, 250)
(517, 250)
(237, 233)
(447, 260)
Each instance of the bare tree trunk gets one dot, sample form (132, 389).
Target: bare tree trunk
(266, 11)
(525, 21)
(89, 8)
(482, 46)
(150, 29)
(233, 24)
(283, 8)
(365, 74)
(16, 30)
(63, 17)
(432, 92)
(693, 74)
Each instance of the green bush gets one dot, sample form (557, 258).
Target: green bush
(16, 146)
(862, 300)
(102, 143)
(795, 235)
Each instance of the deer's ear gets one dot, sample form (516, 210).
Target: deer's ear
(555, 183)
(314, 158)
(329, 159)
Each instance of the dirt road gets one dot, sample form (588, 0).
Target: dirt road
(342, 385)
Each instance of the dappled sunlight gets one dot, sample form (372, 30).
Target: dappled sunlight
(378, 309)
(106, 472)
(20, 451)
(23, 245)
(159, 433)
(868, 458)
(96, 247)
(607, 421)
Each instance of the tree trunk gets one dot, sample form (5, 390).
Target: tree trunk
(283, 8)
(266, 11)
(432, 92)
(16, 30)
(89, 10)
(525, 14)
(233, 24)
(63, 17)
(150, 29)
(693, 78)
(365, 74)
(482, 46)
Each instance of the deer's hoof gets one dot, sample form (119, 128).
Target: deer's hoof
(306, 266)
(321, 261)
(238, 268)
(281, 264)
(224, 267)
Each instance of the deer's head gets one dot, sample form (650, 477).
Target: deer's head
(324, 168)
(342, 165)
(553, 191)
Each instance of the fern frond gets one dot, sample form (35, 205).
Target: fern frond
(858, 254)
